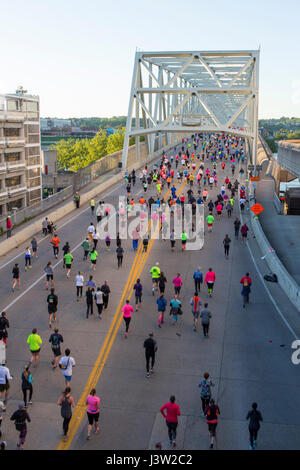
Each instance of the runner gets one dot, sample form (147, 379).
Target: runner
(20, 417)
(5, 378)
(34, 341)
(138, 288)
(162, 283)
(34, 246)
(77, 200)
(212, 411)
(91, 230)
(205, 316)
(89, 301)
(79, 280)
(184, 238)
(66, 364)
(93, 257)
(150, 346)
(93, 411)
(55, 340)
(99, 301)
(86, 248)
(171, 416)
(106, 291)
(198, 279)
(161, 305)
(237, 225)
(246, 283)
(255, 417)
(205, 394)
(210, 278)
(4, 324)
(226, 243)
(120, 253)
(16, 277)
(66, 402)
(127, 310)
(177, 281)
(55, 241)
(52, 301)
(27, 380)
(244, 232)
(210, 220)
(195, 302)
(68, 258)
(92, 204)
(155, 272)
(172, 240)
(175, 305)
(27, 258)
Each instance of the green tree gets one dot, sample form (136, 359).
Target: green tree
(115, 141)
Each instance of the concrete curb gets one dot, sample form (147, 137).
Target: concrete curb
(285, 280)
(35, 227)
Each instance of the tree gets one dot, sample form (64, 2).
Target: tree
(115, 141)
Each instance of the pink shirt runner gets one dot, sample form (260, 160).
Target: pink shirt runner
(210, 276)
(172, 412)
(177, 281)
(93, 402)
(127, 310)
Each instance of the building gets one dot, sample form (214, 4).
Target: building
(20, 151)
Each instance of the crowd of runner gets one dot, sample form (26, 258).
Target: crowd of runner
(189, 174)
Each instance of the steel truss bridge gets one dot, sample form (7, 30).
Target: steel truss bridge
(178, 93)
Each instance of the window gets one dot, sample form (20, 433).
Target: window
(32, 129)
(33, 139)
(31, 110)
(34, 182)
(35, 194)
(11, 132)
(33, 173)
(18, 204)
(14, 181)
(12, 157)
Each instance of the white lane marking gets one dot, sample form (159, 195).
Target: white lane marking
(36, 282)
(267, 290)
(60, 227)
(270, 295)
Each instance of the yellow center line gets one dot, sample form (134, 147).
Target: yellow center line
(137, 267)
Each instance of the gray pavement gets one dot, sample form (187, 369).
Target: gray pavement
(282, 231)
(244, 353)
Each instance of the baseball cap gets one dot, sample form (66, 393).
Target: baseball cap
(21, 405)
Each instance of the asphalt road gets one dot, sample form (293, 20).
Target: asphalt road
(248, 353)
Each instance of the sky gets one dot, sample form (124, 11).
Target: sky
(78, 55)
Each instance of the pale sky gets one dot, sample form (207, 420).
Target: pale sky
(78, 55)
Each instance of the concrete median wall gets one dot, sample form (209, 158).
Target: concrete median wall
(285, 280)
(36, 226)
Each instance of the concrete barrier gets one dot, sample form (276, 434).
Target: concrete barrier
(36, 226)
(285, 280)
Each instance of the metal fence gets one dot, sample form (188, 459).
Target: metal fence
(19, 216)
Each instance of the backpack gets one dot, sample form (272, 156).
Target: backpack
(271, 277)
(205, 392)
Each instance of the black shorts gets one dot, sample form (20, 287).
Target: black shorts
(93, 417)
(93, 261)
(56, 351)
(35, 353)
(183, 242)
(49, 276)
(68, 266)
(4, 387)
(52, 310)
(172, 243)
(212, 428)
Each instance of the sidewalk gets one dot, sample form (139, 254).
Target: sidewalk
(84, 190)
(283, 232)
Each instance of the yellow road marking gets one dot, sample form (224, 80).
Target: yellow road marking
(137, 267)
